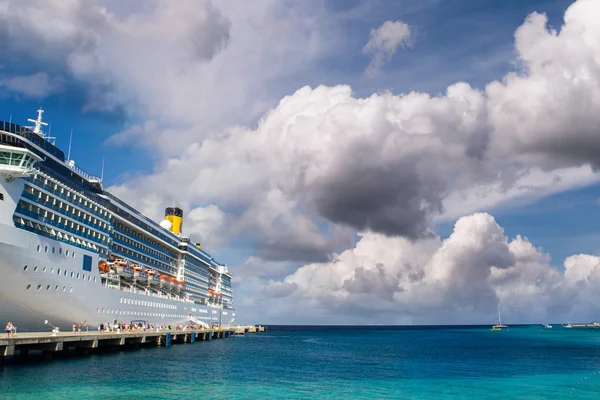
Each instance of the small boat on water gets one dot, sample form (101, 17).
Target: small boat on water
(569, 326)
(547, 326)
(500, 325)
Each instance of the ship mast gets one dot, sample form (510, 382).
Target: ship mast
(38, 123)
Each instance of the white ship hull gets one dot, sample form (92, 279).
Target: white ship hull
(68, 294)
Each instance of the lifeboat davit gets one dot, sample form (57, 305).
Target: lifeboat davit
(173, 281)
(180, 285)
(124, 269)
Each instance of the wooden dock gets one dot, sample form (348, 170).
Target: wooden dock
(50, 343)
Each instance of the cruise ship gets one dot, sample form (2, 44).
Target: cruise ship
(71, 252)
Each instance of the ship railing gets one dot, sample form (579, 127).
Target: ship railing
(81, 172)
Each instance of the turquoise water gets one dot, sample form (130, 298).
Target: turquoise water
(331, 362)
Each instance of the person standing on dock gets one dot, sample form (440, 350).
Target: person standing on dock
(79, 327)
(8, 329)
(74, 327)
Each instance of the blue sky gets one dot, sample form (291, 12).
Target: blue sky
(153, 103)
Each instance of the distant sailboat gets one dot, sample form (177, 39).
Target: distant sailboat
(499, 326)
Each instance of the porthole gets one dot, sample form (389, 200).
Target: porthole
(28, 286)
(53, 250)
(94, 279)
(25, 268)
(51, 270)
(73, 254)
(56, 287)
(65, 272)
(38, 247)
(39, 287)
(59, 250)
(35, 269)
(44, 269)
(70, 289)
(98, 310)
(58, 271)
(64, 288)
(78, 275)
(46, 249)
(72, 274)
(47, 287)
(66, 252)
(89, 278)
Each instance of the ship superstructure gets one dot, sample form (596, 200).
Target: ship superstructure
(71, 251)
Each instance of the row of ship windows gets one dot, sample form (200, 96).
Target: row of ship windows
(46, 248)
(141, 313)
(69, 193)
(121, 249)
(58, 219)
(65, 273)
(136, 234)
(125, 300)
(66, 207)
(39, 287)
(198, 277)
(139, 246)
(54, 234)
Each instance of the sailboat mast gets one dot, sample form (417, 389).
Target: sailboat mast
(499, 316)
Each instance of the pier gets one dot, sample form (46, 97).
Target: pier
(51, 343)
(243, 329)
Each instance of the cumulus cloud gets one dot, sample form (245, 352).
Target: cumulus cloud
(457, 280)
(35, 86)
(172, 62)
(384, 42)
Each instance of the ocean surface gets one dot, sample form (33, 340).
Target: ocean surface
(287, 362)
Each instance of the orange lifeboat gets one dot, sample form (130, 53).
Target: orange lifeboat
(165, 280)
(139, 273)
(103, 267)
(153, 278)
(124, 269)
(173, 281)
(180, 285)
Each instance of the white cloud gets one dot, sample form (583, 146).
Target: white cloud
(35, 86)
(195, 62)
(458, 280)
(384, 42)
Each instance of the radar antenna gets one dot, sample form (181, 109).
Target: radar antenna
(38, 123)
